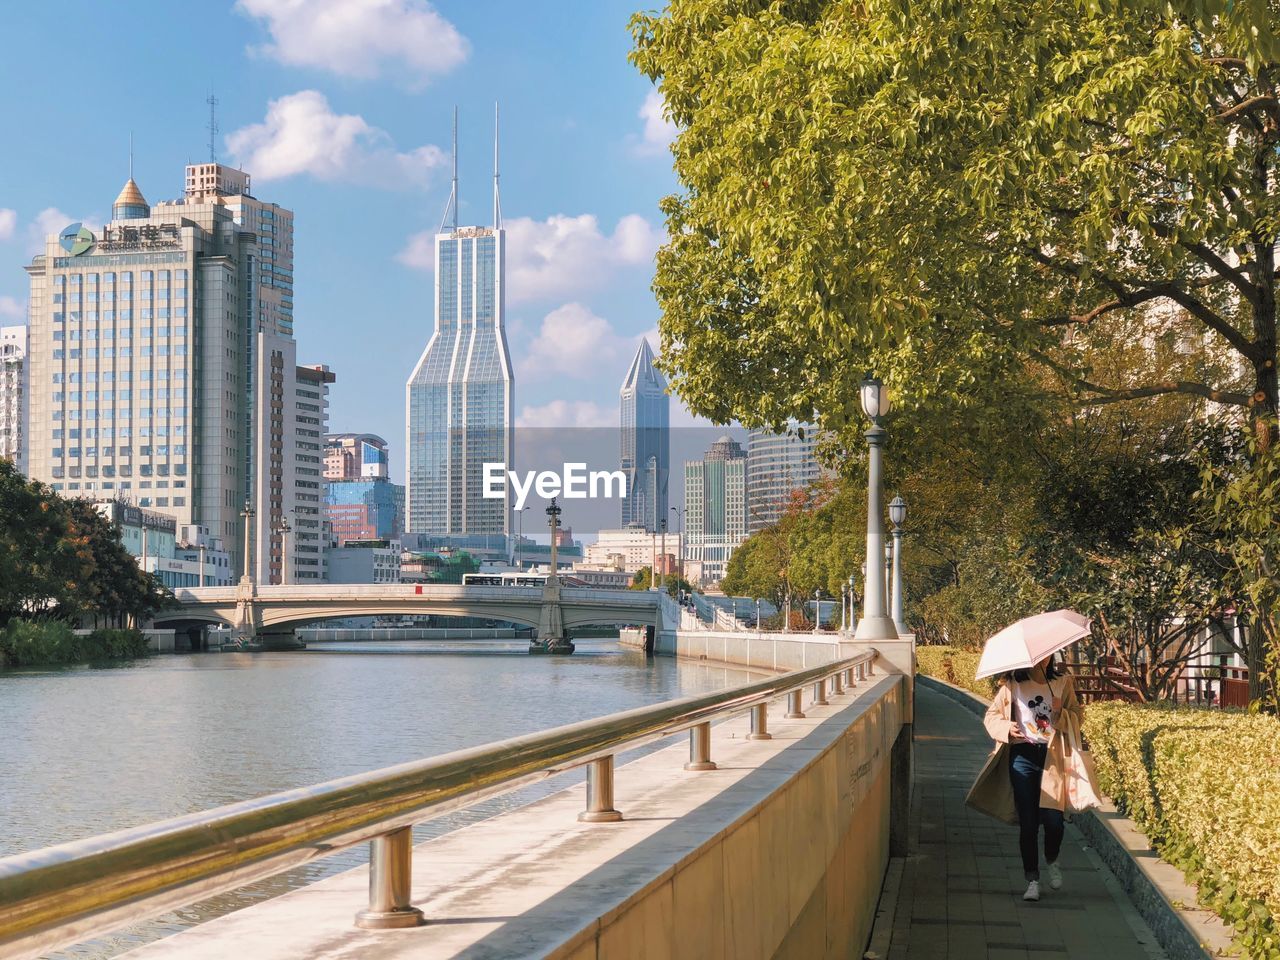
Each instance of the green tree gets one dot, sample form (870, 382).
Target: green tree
(60, 557)
(944, 192)
(671, 583)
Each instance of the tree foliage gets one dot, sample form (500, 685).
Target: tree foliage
(61, 558)
(943, 192)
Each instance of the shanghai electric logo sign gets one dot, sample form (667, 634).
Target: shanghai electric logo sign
(76, 239)
(574, 482)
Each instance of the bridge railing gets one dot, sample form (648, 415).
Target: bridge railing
(69, 893)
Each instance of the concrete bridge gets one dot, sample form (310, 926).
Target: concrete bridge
(270, 614)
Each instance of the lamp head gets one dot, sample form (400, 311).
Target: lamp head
(898, 511)
(876, 401)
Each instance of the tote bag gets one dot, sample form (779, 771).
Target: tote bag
(1077, 770)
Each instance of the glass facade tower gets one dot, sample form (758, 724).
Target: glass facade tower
(461, 394)
(646, 442)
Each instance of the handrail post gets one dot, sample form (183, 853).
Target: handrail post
(700, 748)
(760, 723)
(390, 877)
(600, 793)
(837, 683)
(820, 694)
(793, 707)
(848, 678)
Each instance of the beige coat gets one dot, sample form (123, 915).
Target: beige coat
(992, 793)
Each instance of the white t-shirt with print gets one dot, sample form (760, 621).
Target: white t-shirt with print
(1033, 710)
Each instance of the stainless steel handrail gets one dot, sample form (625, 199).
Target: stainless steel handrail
(72, 892)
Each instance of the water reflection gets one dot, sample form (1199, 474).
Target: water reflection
(98, 749)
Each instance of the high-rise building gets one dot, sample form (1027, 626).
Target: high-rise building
(162, 367)
(715, 496)
(461, 394)
(13, 394)
(361, 502)
(646, 442)
(778, 464)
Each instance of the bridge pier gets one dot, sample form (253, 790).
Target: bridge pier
(552, 637)
(279, 639)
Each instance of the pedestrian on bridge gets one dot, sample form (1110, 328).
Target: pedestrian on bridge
(1038, 770)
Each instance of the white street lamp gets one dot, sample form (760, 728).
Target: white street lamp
(897, 516)
(875, 624)
(817, 609)
(853, 600)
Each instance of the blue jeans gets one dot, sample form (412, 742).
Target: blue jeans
(1026, 764)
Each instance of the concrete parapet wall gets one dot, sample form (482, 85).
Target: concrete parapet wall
(778, 853)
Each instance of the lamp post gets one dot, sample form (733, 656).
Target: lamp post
(757, 614)
(282, 528)
(888, 573)
(897, 516)
(817, 608)
(679, 512)
(519, 535)
(875, 624)
(247, 513)
(553, 520)
(201, 549)
(853, 601)
(657, 577)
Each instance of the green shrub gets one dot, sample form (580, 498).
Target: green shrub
(1205, 788)
(116, 644)
(26, 643)
(956, 666)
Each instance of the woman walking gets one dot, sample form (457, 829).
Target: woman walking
(1025, 778)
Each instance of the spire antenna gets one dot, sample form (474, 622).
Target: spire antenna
(213, 128)
(497, 203)
(130, 154)
(453, 191)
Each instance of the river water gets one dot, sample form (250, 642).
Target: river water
(86, 750)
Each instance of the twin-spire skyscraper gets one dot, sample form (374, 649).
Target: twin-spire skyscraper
(461, 396)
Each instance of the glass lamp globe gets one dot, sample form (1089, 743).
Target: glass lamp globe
(876, 402)
(898, 511)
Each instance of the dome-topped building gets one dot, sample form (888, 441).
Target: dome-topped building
(131, 204)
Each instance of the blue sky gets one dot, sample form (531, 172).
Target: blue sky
(341, 111)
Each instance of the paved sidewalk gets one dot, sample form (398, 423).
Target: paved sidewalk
(960, 896)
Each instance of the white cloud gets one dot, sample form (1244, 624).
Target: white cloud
(8, 223)
(567, 413)
(302, 134)
(52, 220)
(574, 342)
(658, 131)
(406, 39)
(419, 251)
(11, 308)
(561, 256)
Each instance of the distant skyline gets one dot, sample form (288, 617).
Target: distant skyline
(343, 115)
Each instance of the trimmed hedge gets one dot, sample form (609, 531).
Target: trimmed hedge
(1205, 788)
(25, 643)
(954, 665)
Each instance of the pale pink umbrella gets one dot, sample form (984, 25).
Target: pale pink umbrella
(1022, 645)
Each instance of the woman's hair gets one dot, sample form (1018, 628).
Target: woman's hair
(1051, 672)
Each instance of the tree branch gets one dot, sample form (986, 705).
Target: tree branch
(1188, 388)
(1263, 100)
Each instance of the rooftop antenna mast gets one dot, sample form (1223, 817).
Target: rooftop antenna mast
(213, 127)
(497, 203)
(130, 154)
(453, 191)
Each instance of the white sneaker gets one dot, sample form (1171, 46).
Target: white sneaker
(1033, 891)
(1055, 876)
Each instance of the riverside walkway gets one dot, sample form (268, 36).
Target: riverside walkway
(960, 893)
